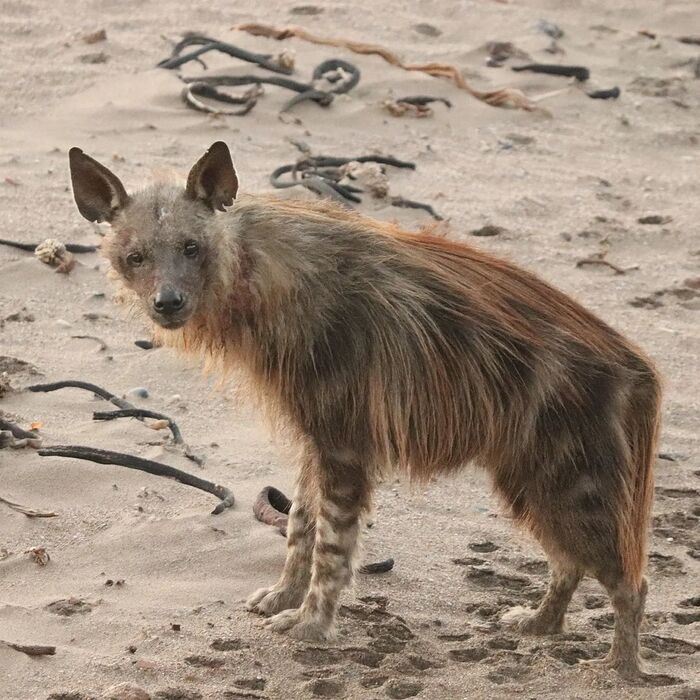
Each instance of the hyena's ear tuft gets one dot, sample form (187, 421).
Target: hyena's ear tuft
(213, 178)
(98, 192)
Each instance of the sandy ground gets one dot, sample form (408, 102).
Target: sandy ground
(562, 188)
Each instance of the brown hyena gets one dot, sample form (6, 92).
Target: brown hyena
(383, 349)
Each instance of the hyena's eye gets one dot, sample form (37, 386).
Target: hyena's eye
(134, 259)
(191, 249)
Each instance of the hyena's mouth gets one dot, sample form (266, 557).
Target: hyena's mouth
(171, 322)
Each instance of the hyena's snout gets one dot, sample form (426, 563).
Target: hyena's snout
(169, 306)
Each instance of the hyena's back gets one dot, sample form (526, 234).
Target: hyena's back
(419, 352)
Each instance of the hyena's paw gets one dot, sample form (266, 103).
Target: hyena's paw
(301, 626)
(268, 601)
(629, 669)
(528, 621)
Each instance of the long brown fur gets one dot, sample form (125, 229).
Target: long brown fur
(385, 350)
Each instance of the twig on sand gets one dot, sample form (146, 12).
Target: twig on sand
(505, 97)
(127, 409)
(410, 204)
(25, 510)
(92, 454)
(581, 73)
(599, 260)
(414, 106)
(377, 567)
(31, 649)
(31, 247)
(206, 44)
(199, 88)
(331, 77)
(272, 507)
(79, 384)
(103, 345)
(142, 413)
(322, 175)
(610, 94)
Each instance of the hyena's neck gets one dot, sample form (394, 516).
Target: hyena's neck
(265, 292)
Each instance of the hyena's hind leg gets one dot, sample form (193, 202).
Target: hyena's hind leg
(344, 495)
(290, 590)
(549, 616)
(628, 602)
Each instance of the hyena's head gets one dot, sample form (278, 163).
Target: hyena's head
(160, 244)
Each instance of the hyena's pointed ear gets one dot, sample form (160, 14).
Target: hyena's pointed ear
(98, 192)
(213, 178)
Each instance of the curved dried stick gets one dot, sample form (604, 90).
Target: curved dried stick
(377, 567)
(31, 649)
(78, 384)
(581, 73)
(272, 508)
(127, 409)
(31, 247)
(103, 345)
(202, 89)
(141, 413)
(410, 204)
(120, 459)
(423, 100)
(25, 510)
(595, 260)
(610, 94)
(341, 75)
(207, 44)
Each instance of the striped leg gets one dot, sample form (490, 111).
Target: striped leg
(290, 590)
(343, 495)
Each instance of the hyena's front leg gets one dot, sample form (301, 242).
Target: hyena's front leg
(290, 590)
(344, 493)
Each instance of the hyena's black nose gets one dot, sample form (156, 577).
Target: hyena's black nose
(168, 301)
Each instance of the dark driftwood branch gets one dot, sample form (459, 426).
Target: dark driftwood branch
(423, 100)
(207, 44)
(581, 73)
(272, 508)
(192, 90)
(377, 567)
(92, 454)
(31, 247)
(127, 409)
(410, 204)
(141, 413)
(239, 80)
(341, 75)
(31, 649)
(77, 384)
(320, 174)
(610, 94)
